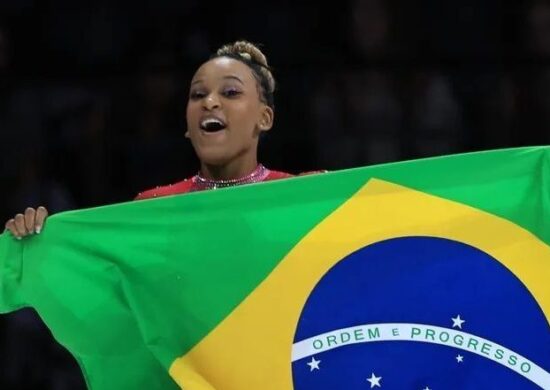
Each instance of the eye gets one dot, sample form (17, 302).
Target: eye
(231, 92)
(195, 95)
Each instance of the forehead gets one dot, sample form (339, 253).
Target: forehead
(220, 68)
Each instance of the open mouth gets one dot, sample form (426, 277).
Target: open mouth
(211, 125)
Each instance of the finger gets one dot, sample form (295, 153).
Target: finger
(41, 215)
(20, 225)
(30, 215)
(10, 225)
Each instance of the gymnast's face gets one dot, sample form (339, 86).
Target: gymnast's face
(225, 114)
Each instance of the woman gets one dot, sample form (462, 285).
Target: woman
(230, 105)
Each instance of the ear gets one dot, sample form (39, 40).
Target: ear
(266, 118)
(187, 134)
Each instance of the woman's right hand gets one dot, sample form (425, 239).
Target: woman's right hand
(32, 221)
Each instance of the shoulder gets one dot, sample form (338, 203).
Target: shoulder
(173, 189)
(275, 175)
(313, 172)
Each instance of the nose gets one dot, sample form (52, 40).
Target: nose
(211, 102)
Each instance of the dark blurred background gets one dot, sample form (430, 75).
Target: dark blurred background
(93, 94)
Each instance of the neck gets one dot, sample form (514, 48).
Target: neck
(231, 171)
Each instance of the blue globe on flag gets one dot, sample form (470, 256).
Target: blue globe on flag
(420, 313)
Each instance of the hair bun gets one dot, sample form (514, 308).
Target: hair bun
(244, 49)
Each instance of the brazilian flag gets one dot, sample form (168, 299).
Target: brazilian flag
(427, 274)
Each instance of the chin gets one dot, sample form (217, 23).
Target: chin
(213, 157)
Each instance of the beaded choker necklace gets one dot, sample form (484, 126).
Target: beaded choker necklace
(259, 174)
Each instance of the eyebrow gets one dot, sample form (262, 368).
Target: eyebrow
(229, 77)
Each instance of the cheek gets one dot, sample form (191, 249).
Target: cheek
(245, 114)
(191, 113)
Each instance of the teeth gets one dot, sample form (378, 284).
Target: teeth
(210, 121)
